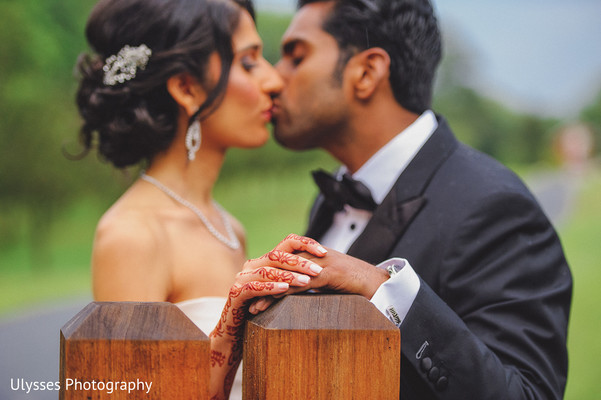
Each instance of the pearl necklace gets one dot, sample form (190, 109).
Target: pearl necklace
(231, 242)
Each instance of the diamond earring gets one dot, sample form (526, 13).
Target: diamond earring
(193, 139)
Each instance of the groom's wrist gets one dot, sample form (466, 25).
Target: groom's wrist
(377, 277)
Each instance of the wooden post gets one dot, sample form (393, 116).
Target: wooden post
(135, 351)
(321, 347)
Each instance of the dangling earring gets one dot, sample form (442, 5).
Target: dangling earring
(193, 139)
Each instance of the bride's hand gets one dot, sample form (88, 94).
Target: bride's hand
(270, 275)
(282, 265)
(227, 337)
(283, 257)
(264, 277)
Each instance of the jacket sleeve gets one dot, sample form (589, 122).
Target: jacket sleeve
(496, 327)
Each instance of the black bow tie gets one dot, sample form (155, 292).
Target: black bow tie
(337, 193)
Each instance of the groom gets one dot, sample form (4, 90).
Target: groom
(445, 241)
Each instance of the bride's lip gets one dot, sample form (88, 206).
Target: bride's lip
(267, 114)
(275, 109)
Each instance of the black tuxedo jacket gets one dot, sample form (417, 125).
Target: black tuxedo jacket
(490, 318)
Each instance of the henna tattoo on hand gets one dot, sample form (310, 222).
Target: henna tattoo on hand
(229, 380)
(276, 275)
(217, 358)
(234, 331)
(283, 258)
(239, 316)
(235, 291)
(235, 358)
(302, 239)
(258, 286)
(272, 274)
(231, 324)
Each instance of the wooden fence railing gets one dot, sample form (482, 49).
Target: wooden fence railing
(303, 347)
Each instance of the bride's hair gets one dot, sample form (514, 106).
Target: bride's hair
(134, 120)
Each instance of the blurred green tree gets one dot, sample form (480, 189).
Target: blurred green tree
(509, 136)
(40, 43)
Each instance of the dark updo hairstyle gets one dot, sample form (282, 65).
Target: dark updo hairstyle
(131, 122)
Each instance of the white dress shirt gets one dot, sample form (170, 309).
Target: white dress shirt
(395, 296)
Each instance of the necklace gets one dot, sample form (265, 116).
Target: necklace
(231, 241)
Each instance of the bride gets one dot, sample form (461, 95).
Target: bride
(170, 86)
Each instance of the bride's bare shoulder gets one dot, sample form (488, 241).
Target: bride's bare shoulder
(131, 218)
(131, 226)
(127, 257)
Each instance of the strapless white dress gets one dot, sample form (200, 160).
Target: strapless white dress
(205, 312)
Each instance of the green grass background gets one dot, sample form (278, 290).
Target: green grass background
(581, 238)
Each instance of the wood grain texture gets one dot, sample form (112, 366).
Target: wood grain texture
(321, 347)
(134, 342)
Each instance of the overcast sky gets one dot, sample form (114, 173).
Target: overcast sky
(542, 56)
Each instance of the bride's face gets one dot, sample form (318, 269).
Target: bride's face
(242, 117)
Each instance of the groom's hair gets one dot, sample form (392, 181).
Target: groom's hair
(406, 29)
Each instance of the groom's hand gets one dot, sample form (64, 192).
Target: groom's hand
(344, 274)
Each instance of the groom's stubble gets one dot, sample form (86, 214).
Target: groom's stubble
(312, 110)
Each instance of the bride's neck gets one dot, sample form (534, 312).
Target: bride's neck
(193, 180)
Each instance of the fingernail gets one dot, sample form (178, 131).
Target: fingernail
(322, 249)
(282, 285)
(315, 268)
(304, 279)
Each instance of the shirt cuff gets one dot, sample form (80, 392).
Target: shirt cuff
(395, 297)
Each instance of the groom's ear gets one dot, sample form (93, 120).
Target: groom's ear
(368, 70)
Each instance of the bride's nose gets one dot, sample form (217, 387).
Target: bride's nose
(272, 81)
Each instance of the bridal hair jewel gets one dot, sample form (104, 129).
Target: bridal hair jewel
(123, 66)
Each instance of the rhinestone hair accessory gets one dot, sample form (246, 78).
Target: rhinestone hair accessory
(123, 66)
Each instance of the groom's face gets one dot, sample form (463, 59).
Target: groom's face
(312, 109)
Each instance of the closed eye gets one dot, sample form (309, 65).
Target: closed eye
(294, 51)
(296, 61)
(248, 63)
(249, 56)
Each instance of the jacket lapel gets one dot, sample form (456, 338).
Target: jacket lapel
(320, 219)
(405, 200)
(387, 224)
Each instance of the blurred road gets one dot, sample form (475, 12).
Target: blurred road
(29, 347)
(29, 339)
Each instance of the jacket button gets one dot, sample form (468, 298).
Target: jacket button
(426, 364)
(442, 383)
(433, 374)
